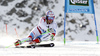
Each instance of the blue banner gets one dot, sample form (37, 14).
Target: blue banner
(79, 6)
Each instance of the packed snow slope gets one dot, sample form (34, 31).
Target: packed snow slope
(70, 49)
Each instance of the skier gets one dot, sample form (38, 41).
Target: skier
(46, 29)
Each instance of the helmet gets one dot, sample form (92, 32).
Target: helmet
(50, 15)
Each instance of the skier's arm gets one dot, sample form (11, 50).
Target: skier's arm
(53, 31)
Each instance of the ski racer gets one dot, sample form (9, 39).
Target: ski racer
(46, 29)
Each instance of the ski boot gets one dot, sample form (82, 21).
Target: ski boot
(18, 42)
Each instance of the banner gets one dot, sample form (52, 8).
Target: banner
(79, 6)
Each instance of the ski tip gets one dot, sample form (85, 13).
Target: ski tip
(52, 44)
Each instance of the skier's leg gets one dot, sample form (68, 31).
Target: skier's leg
(29, 39)
(41, 38)
(37, 39)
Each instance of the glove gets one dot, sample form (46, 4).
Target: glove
(51, 30)
(52, 38)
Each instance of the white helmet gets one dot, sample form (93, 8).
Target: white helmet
(50, 15)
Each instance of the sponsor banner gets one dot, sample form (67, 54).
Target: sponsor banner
(79, 6)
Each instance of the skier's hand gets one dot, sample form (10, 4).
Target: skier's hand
(52, 38)
(51, 30)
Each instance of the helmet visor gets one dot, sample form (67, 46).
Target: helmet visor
(51, 18)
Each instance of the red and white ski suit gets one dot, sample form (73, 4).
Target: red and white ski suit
(41, 28)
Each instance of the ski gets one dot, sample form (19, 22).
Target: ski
(46, 45)
(40, 45)
(31, 46)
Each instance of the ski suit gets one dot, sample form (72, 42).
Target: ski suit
(41, 28)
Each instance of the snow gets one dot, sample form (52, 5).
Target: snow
(70, 49)
(79, 47)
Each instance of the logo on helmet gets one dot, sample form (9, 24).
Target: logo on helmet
(50, 14)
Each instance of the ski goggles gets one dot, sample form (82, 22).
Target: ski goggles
(51, 18)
